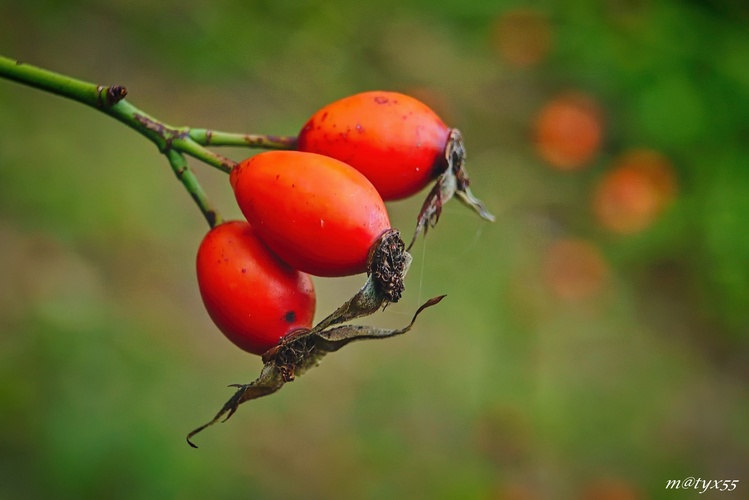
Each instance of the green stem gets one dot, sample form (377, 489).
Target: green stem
(208, 137)
(187, 145)
(171, 141)
(188, 179)
(108, 100)
(54, 83)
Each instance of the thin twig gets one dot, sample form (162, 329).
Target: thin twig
(188, 179)
(110, 100)
(208, 137)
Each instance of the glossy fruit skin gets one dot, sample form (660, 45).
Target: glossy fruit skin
(317, 213)
(250, 294)
(396, 141)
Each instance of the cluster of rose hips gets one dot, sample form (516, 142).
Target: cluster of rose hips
(319, 210)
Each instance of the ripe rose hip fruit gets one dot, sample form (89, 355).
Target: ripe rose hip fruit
(318, 214)
(250, 294)
(396, 141)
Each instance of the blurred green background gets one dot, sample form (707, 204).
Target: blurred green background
(595, 339)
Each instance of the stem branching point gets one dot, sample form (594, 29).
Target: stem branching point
(388, 260)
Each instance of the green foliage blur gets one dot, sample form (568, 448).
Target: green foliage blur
(573, 357)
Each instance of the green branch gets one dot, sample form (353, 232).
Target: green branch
(208, 137)
(78, 90)
(171, 141)
(109, 100)
(187, 178)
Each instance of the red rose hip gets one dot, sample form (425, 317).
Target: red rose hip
(396, 141)
(250, 294)
(318, 214)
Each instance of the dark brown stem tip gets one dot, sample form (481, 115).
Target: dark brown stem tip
(190, 442)
(388, 263)
(429, 303)
(115, 94)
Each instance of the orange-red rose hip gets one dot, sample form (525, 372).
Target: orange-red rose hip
(317, 213)
(396, 141)
(250, 294)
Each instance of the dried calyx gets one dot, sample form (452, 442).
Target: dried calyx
(453, 181)
(388, 264)
(303, 349)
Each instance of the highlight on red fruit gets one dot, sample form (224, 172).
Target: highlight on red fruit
(632, 195)
(318, 214)
(253, 297)
(396, 141)
(569, 131)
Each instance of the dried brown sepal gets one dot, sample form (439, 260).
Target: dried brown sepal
(268, 382)
(387, 264)
(296, 353)
(454, 181)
